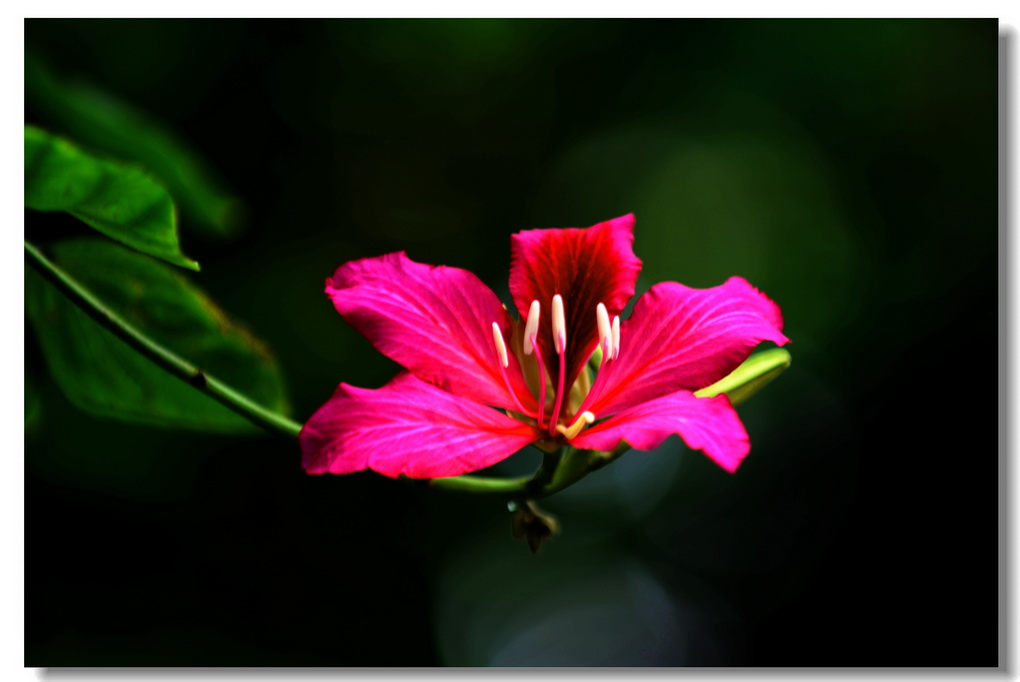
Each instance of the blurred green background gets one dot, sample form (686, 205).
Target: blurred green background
(846, 167)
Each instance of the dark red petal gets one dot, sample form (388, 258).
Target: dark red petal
(407, 427)
(707, 424)
(679, 338)
(435, 321)
(586, 266)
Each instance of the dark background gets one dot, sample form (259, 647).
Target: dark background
(848, 168)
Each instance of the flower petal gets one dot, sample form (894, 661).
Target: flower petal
(679, 338)
(586, 266)
(434, 320)
(707, 424)
(407, 427)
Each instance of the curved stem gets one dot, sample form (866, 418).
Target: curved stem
(159, 355)
(550, 463)
(569, 469)
(510, 488)
(574, 466)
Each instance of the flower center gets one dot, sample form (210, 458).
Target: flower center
(609, 343)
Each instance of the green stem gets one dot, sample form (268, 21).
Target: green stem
(576, 465)
(550, 463)
(159, 355)
(571, 468)
(509, 488)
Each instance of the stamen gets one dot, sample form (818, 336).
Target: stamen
(583, 420)
(497, 336)
(616, 337)
(541, 379)
(559, 330)
(559, 325)
(605, 329)
(504, 360)
(606, 368)
(560, 391)
(531, 327)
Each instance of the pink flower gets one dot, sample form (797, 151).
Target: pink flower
(466, 355)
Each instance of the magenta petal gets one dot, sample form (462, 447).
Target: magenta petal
(434, 320)
(586, 267)
(407, 427)
(679, 338)
(707, 424)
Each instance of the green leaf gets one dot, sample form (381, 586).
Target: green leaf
(750, 377)
(101, 374)
(103, 122)
(119, 200)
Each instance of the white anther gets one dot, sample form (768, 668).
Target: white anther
(531, 327)
(616, 337)
(605, 329)
(559, 325)
(497, 336)
(583, 420)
